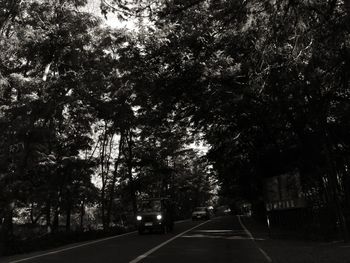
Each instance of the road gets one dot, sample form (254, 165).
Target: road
(219, 240)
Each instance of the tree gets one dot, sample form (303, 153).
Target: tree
(46, 49)
(263, 81)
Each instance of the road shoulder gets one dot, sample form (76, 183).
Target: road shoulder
(297, 251)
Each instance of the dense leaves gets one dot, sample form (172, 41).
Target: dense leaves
(266, 82)
(79, 130)
(99, 117)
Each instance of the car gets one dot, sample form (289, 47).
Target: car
(200, 212)
(155, 215)
(223, 210)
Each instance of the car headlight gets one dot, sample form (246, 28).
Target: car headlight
(139, 218)
(159, 217)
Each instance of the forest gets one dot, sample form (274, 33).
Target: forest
(94, 117)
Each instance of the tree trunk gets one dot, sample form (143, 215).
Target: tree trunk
(7, 225)
(55, 222)
(32, 213)
(132, 190)
(104, 178)
(347, 189)
(48, 216)
(114, 179)
(68, 214)
(333, 184)
(82, 213)
(57, 210)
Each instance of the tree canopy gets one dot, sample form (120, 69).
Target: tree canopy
(264, 83)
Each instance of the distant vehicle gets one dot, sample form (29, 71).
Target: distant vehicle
(223, 210)
(155, 214)
(200, 212)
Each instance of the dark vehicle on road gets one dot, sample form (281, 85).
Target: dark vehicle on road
(155, 214)
(200, 212)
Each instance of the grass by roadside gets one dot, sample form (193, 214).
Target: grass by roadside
(50, 241)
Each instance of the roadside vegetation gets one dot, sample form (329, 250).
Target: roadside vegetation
(93, 118)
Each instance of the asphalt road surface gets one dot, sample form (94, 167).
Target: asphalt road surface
(219, 240)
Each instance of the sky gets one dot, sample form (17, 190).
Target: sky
(93, 6)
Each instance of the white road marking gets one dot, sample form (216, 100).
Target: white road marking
(202, 236)
(139, 258)
(253, 239)
(221, 237)
(215, 231)
(182, 221)
(238, 238)
(80, 245)
(72, 247)
(265, 255)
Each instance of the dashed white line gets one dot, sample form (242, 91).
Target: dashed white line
(146, 254)
(267, 257)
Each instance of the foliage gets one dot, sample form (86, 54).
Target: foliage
(264, 83)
